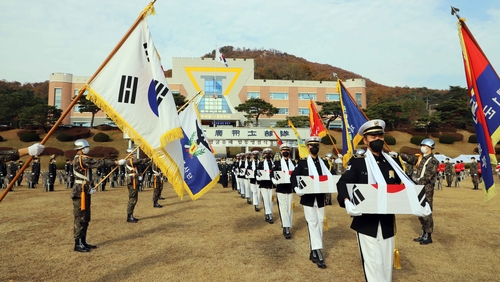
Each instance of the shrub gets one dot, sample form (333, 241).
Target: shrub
(70, 154)
(63, 137)
(48, 151)
(389, 139)
(417, 139)
(448, 129)
(29, 137)
(457, 136)
(327, 141)
(21, 132)
(103, 152)
(447, 139)
(416, 133)
(101, 137)
(409, 150)
(472, 139)
(436, 134)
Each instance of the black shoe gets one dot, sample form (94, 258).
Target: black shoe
(267, 218)
(243, 196)
(132, 219)
(419, 239)
(271, 220)
(328, 203)
(161, 198)
(286, 233)
(156, 205)
(79, 247)
(249, 201)
(87, 245)
(257, 208)
(427, 239)
(313, 257)
(320, 262)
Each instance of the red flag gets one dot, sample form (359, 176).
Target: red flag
(277, 137)
(317, 126)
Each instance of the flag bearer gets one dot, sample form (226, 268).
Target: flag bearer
(266, 186)
(284, 191)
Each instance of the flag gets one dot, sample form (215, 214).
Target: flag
(352, 119)
(220, 57)
(317, 126)
(201, 171)
(131, 88)
(303, 152)
(277, 137)
(483, 86)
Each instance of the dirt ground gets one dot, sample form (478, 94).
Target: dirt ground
(221, 238)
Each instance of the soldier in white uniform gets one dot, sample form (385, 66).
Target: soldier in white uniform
(284, 191)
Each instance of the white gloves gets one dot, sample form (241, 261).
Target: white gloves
(274, 181)
(425, 211)
(121, 162)
(35, 149)
(351, 208)
(298, 191)
(393, 154)
(140, 178)
(92, 191)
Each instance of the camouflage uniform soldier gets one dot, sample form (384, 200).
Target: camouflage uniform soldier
(133, 184)
(81, 192)
(157, 185)
(449, 170)
(13, 155)
(427, 167)
(474, 173)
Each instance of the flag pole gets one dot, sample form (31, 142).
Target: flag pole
(144, 12)
(327, 133)
(188, 102)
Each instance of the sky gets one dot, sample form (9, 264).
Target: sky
(410, 43)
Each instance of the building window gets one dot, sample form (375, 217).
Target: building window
(175, 92)
(253, 95)
(76, 108)
(303, 111)
(282, 111)
(333, 97)
(278, 96)
(57, 97)
(358, 98)
(307, 96)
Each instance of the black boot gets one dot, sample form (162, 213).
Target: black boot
(427, 239)
(87, 245)
(286, 233)
(267, 218)
(156, 205)
(271, 220)
(320, 262)
(249, 201)
(256, 208)
(131, 218)
(79, 247)
(419, 239)
(313, 257)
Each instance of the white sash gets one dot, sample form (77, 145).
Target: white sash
(314, 172)
(284, 167)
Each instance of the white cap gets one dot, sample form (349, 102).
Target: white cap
(375, 126)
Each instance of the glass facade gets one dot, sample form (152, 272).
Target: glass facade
(303, 111)
(213, 101)
(359, 97)
(282, 111)
(57, 97)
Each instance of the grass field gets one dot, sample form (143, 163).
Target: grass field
(221, 238)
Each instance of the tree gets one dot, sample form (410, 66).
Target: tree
(457, 93)
(390, 112)
(298, 121)
(455, 113)
(330, 111)
(87, 106)
(413, 109)
(39, 115)
(255, 107)
(179, 100)
(13, 102)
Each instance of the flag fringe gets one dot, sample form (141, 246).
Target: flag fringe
(202, 191)
(325, 223)
(158, 156)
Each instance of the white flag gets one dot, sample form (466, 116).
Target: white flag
(131, 88)
(220, 57)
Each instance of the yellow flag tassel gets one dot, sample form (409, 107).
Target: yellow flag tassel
(293, 205)
(325, 224)
(397, 260)
(82, 202)
(272, 198)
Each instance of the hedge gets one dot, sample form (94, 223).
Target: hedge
(417, 139)
(101, 137)
(409, 150)
(389, 139)
(29, 137)
(63, 137)
(447, 139)
(472, 139)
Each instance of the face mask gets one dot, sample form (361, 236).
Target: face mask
(85, 150)
(248, 158)
(377, 145)
(314, 150)
(286, 154)
(423, 150)
(268, 156)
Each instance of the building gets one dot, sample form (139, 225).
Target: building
(223, 89)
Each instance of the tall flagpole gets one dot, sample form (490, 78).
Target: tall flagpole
(142, 15)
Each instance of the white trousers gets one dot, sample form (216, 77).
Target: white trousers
(267, 199)
(255, 193)
(285, 208)
(377, 256)
(314, 217)
(240, 185)
(247, 191)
